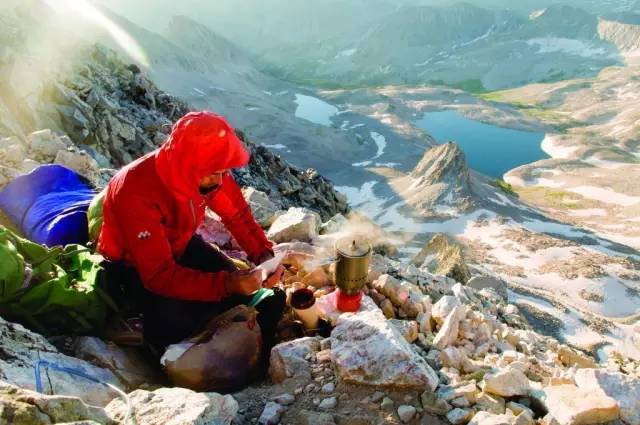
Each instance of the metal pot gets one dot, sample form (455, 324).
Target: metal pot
(352, 265)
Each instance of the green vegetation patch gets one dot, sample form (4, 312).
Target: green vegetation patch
(505, 187)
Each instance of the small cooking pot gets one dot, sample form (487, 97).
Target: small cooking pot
(352, 265)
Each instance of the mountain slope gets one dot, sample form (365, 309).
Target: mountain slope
(462, 45)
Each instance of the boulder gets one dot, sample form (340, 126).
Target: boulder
(486, 418)
(624, 389)
(402, 294)
(367, 349)
(488, 282)
(443, 256)
(448, 333)
(506, 383)
(263, 209)
(570, 405)
(22, 349)
(288, 359)
(125, 362)
(19, 406)
(45, 144)
(443, 307)
(175, 406)
(296, 224)
(79, 161)
(571, 357)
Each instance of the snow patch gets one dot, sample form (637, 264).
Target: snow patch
(345, 53)
(605, 195)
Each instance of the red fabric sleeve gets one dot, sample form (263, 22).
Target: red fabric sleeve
(150, 252)
(236, 215)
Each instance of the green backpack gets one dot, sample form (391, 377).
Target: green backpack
(51, 290)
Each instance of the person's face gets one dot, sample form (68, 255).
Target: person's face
(212, 182)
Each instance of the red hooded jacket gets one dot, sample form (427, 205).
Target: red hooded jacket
(153, 206)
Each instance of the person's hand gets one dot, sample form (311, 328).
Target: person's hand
(274, 277)
(243, 282)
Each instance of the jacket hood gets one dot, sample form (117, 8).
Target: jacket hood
(200, 143)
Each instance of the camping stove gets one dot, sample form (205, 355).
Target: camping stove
(352, 265)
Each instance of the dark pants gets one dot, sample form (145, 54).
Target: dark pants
(170, 320)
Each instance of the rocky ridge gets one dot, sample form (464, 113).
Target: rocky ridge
(105, 113)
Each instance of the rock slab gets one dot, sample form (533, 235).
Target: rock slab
(624, 389)
(571, 405)
(175, 406)
(367, 349)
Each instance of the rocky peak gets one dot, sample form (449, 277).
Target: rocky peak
(441, 179)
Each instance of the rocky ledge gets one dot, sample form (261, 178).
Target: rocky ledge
(423, 348)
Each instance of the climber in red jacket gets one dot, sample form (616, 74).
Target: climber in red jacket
(152, 208)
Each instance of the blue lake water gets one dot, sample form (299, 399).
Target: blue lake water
(490, 150)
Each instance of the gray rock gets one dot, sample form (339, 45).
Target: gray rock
(328, 388)
(296, 224)
(432, 404)
(124, 362)
(488, 282)
(263, 209)
(407, 328)
(288, 359)
(22, 349)
(459, 416)
(406, 413)
(175, 406)
(366, 349)
(284, 399)
(271, 414)
(19, 406)
(386, 404)
(328, 403)
(306, 417)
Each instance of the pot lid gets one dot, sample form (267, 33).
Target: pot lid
(353, 247)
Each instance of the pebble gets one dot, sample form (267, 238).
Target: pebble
(285, 399)
(459, 416)
(298, 391)
(328, 388)
(365, 400)
(310, 388)
(316, 401)
(387, 404)
(377, 396)
(271, 414)
(406, 413)
(328, 403)
(460, 402)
